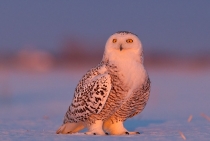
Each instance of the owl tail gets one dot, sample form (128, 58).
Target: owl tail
(69, 128)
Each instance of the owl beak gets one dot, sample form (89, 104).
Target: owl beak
(121, 48)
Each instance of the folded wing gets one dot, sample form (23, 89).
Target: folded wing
(90, 96)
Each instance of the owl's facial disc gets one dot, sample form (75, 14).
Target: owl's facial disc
(123, 43)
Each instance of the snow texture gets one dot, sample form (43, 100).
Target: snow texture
(32, 106)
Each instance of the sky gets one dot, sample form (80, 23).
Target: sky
(176, 26)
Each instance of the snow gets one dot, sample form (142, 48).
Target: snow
(32, 106)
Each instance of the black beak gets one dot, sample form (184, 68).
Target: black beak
(121, 47)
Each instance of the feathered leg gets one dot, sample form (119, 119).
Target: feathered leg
(69, 128)
(95, 128)
(116, 128)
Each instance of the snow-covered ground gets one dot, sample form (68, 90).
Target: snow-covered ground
(32, 106)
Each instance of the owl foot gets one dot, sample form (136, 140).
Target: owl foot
(95, 128)
(70, 128)
(116, 128)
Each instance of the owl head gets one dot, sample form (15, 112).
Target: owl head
(124, 44)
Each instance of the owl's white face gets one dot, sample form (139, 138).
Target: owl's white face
(123, 43)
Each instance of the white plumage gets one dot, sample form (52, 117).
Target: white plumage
(117, 89)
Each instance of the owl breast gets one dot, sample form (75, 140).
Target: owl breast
(125, 80)
(127, 94)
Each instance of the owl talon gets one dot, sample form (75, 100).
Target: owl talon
(127, 133)
(107, 133)
(137, 132)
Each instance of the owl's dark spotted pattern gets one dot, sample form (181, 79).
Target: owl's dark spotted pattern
(89, 97)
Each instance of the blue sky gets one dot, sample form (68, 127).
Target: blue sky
(176, 26)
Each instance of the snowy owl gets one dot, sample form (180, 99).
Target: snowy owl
(115, 90)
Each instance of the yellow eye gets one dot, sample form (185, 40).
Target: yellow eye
(114, 40)
(129, 41)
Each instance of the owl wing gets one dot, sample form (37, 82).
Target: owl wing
(90, 95)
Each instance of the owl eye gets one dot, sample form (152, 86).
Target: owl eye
(114, 40)
(129, 41)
